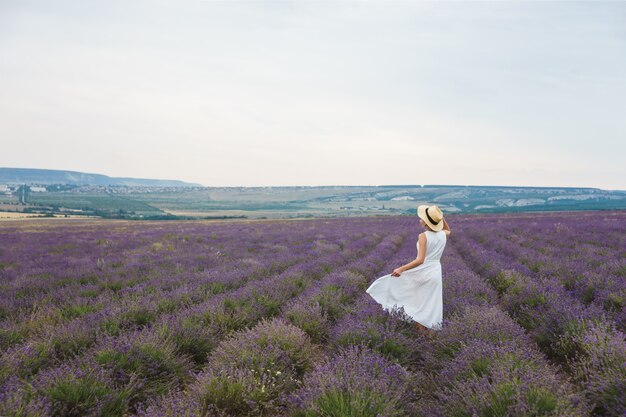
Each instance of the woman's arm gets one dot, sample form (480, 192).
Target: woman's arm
(446, 228)
(421, 255)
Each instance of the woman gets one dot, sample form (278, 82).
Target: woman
(417, 285)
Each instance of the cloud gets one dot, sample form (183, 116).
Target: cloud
(270, 93)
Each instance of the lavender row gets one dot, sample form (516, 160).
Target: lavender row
(62, 340)
(165, 253)
(225, 319)
(577, 337)
(90, 286)
(343, 355)
(70, 340)
(589, 261)
(252, 371)
(123, 357)
(67, 341)
(128, 287)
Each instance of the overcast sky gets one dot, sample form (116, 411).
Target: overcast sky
(228, 93)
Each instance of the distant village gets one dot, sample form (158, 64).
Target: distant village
(8, 189)
(66, 200)
(15, 189)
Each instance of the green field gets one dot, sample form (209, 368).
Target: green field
(290, 202)
(92, 202)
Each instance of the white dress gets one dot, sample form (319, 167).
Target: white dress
(418, 290)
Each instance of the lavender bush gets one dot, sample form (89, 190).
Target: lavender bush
(271, 319)
(354, 382)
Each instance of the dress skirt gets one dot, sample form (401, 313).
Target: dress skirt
(418, 290)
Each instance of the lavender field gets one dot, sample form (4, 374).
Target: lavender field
(271, 318)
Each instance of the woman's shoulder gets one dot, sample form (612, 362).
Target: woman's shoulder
(440, 234)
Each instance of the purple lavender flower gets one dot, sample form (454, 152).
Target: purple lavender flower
(355, 381)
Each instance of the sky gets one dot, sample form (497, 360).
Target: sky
(271, 93)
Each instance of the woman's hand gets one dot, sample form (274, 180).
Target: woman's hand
(396, 272)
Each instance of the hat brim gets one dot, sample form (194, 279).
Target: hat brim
(421, 213)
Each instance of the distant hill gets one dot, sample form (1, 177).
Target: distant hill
(98, 195)
(53, 176)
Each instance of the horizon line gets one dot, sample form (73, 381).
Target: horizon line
(328, 185)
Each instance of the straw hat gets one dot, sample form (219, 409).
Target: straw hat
(432, 215)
